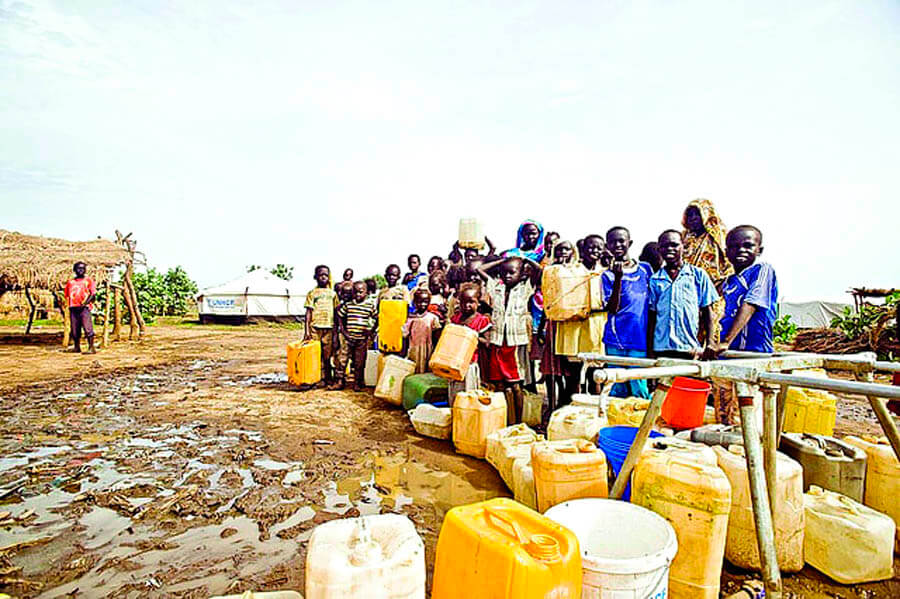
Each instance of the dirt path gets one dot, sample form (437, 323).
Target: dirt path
(188, 467)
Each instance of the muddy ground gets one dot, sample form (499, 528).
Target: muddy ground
(186, 466)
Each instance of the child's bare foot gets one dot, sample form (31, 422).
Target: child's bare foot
(74, 350)
(357, 387)
(336, 386)
(93, 350)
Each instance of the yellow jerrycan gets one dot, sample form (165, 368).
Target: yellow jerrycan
(454, 351)
(695, 498)
(740, 548)
(506, 445)
(391, 318)
(846, 540)
(500, 549)
(568, 472)
(304, 362)
(477, 414)
(567, 292)
(882, 478)
(390, 382)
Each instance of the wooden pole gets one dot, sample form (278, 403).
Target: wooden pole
(132, 317)
(117, 313)
(106, 316)
(759, 497)
(130, 292)
(64, 310)
(31, 312)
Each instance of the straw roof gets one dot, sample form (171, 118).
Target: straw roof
(46, 262)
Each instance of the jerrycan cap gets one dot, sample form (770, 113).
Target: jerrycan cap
(544, 548)
(484, 399)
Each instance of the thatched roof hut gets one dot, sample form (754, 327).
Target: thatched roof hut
(46, 263)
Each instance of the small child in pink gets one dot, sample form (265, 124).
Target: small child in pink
(419, 330)
(468, 316)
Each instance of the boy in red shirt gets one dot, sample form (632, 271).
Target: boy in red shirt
(80, 293)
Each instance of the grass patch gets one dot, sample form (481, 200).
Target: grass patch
(21, 322)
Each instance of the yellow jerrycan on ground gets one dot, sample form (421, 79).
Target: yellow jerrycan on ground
(391, 318)
(508, 444)
(882, 478)
(500, 549)
(569, 472)
(575, 422)
(846, 540)
(390, 382)
(477, 414)
(567, 292)
(695, 498)
(740, 548)
(454, 351)
(810, 410)
(304, 362)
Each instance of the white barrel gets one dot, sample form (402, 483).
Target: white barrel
(619, 563)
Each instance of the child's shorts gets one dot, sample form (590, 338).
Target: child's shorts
(504, 364)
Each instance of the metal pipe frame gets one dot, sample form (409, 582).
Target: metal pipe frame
(751, 369)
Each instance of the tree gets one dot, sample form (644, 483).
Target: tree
(282, 271)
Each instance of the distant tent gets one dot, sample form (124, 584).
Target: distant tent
(813, 315)
(257, 295)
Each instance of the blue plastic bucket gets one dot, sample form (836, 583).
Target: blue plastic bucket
(615, 441)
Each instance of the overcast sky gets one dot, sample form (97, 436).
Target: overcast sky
(353, 133)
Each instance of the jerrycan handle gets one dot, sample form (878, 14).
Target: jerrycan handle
(516, 530)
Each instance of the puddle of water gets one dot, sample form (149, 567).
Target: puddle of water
(10, 463)
(293, 477)
(102, 525)
(394, 482)
(304, 514)
(147, 443)
(270, 378)
(269, 464)
(199, 557)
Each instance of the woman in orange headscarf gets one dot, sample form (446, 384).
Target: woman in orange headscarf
(704, 247)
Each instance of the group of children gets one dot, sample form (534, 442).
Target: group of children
(662, 307)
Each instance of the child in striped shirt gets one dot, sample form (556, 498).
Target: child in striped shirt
(356, 323)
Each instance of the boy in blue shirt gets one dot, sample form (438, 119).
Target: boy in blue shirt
(626, 287)
(680, 297)
(751, 307)
(751, 295)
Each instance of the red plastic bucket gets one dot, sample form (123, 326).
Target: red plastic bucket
(685, 403)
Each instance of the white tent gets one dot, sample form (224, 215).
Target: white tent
(255, 295)
(813, 315)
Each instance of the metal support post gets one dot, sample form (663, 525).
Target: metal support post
(879, 406)
(781, 406)
(770, 443)
(762, 514)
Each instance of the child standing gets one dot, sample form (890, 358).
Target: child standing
(321, 303)
(356, 322)
(554, 366)
(412, 278)
(419, 330)
(394, 290)
(626, 286)
(80, 293)
(751, 308)
(468, 299)
(680, 295)
(510, 292)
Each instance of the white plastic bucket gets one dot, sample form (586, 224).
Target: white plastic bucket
(626, 550)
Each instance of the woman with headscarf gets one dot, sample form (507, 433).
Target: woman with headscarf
(704, 246)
